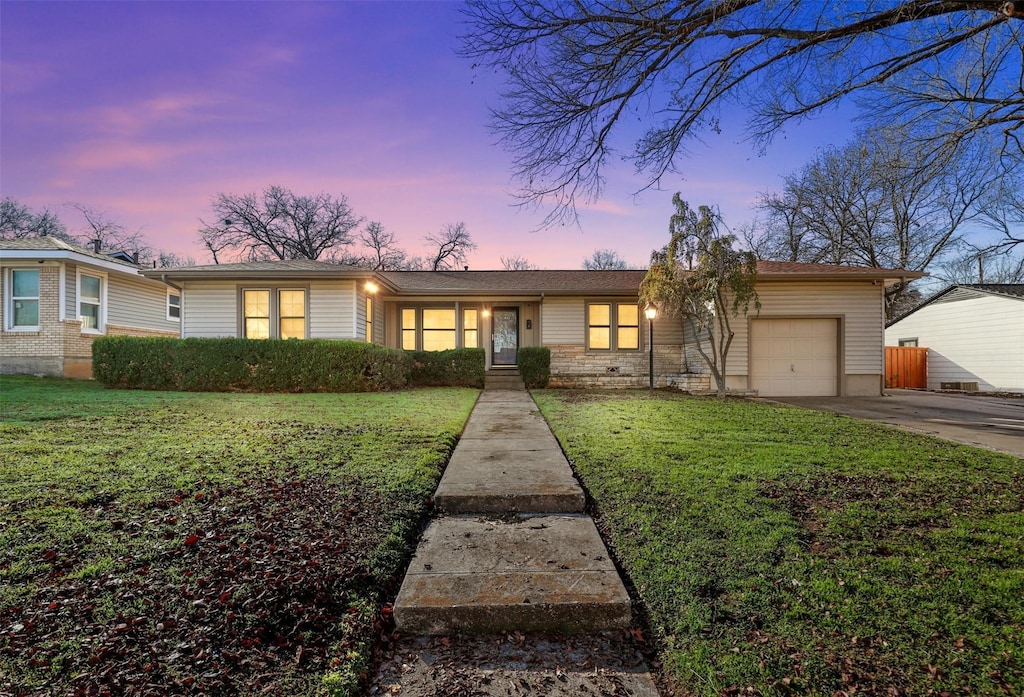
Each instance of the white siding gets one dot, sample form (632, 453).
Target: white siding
(977, 339)
(134, 302)
(331, 310)
(858, 306)
(209, 309)
(563, 321)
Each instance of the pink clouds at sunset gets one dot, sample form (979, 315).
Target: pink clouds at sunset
(147, 110)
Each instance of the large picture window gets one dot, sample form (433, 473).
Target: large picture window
(24, 308)
(438, 329)
(613, 326)
(274, 314)
(90, 302)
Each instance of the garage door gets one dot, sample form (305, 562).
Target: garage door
(793, 357)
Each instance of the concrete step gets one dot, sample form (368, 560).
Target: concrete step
(532, 574)
(507, 381)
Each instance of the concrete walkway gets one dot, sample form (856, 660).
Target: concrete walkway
(512, 550)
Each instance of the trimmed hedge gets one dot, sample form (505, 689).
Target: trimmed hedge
(249, 365)
(534, 366)
(454, 368)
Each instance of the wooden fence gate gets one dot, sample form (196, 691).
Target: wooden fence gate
(906, 366)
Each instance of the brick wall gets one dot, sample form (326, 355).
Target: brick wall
(574, 366)
(58, 347)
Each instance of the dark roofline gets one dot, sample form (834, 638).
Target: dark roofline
(981, 288)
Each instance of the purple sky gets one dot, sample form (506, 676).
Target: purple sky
(149, 109)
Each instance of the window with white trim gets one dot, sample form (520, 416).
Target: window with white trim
(90, 302)
(613, 326)
(909, 342)
(173, 305)
(23, 307)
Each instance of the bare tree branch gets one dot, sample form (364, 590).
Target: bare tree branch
(19, 221)
(452, 244)
(581, 74)
(605, 259)
(278, 225)
(516, 263)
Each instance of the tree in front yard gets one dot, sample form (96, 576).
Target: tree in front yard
(701, 280)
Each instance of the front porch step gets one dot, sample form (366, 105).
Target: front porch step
(503, 380)
(533, 574)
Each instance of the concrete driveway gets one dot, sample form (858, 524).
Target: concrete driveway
(995, 423)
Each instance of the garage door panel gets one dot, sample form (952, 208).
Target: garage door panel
(794, 357)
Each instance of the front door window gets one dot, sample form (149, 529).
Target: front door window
(505, 336)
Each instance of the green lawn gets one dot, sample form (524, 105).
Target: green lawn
(783, 551)
(185, 543)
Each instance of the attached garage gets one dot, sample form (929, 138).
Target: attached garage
(796, 357)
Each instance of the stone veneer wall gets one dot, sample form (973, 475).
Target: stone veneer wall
(58, 348)
(574, 366)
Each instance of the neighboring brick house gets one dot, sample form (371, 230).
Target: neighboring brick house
(819, 331)
(56, 298)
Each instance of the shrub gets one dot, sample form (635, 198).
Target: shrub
(222, 365)
(535, 366)
(456, 368)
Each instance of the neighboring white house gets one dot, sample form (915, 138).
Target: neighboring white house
(56, 298)
(819, 331)
(974, 333)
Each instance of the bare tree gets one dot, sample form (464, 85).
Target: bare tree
(699, 279)
(1003, 210)
(165, 259)
(18, 221)
(452, 243)
(102, 229)
(278, 224)
(383, 252)
(877, 202)
(982, 266)
(605, 260)
(516, 263)
(581, 73)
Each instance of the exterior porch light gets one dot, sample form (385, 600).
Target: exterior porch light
(486, 312)
(650, 312)
(371, 287)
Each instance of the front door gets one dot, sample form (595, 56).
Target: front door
(504, 335)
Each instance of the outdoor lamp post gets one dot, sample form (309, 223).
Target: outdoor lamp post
(650, 312)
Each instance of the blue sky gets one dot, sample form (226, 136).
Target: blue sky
(149, 109)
